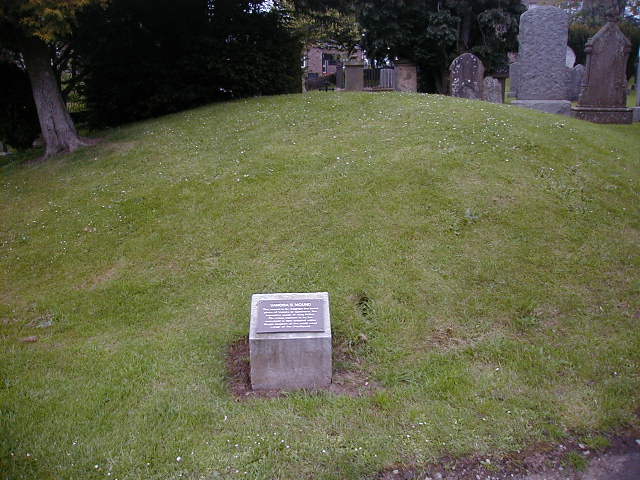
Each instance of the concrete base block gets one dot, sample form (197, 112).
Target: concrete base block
(636, 114)
(604, 114)
(559, 107)
(293, 360)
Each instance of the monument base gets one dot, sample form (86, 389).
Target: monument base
(603, 114)
(290, 360)
(559, 107)
(636, 114)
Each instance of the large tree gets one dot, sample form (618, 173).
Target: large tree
(30, 27)
(322, 23)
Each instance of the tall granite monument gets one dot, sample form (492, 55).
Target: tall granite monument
(603, 97)
(466, 77)
(540, 74)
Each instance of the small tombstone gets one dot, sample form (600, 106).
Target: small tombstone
(576, 76)
(540, 74)
(405, 77)
(636, 109)
(603, 97)
(638, 81)
(290, 341)
(466, 77)
(492, 90)
(571, 58)
(354, 77)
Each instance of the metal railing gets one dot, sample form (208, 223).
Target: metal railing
(379, 79)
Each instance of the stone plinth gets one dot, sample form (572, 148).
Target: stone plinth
(603, 114)
(636, 114)
(559, 107)
(354, 77)
(290, 341)
(406, 77)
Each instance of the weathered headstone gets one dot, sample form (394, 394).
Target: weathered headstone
(636, 109)
(603, 98)
(290, 341)
(540, 74)
(406, 77)
(354, 77)
(466, 77)
(492, 90)
(571, 58)
(638, 81)
(574, 84)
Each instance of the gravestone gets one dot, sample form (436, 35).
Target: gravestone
(638, 81)
(603, 98)
(571, 58)
(466, 77)
(540, 74)
(354, 77)
(406, 77)
(574, 85)
(492, 90)
(290, 341)
(636, 110)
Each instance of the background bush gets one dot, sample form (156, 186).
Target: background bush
(19, 125)
(142, 59)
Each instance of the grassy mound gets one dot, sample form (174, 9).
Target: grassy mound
(482, 263)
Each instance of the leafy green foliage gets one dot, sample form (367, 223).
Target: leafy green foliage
(46, 19)
(433, 33)
(140, 59)
(325, 25)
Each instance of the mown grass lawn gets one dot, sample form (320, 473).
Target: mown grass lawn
(498, 249)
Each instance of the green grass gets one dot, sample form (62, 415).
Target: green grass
(498, 248)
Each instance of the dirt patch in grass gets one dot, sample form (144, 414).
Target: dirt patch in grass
(118, 147)
(615, 456)
(350, 382)
(101, 278)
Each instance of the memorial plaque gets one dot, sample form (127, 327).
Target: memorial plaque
(278, 316)
(290, 341)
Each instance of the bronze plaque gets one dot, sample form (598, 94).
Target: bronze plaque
(286, 316)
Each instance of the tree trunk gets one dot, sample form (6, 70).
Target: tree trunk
(58, 132)
(465, 31)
